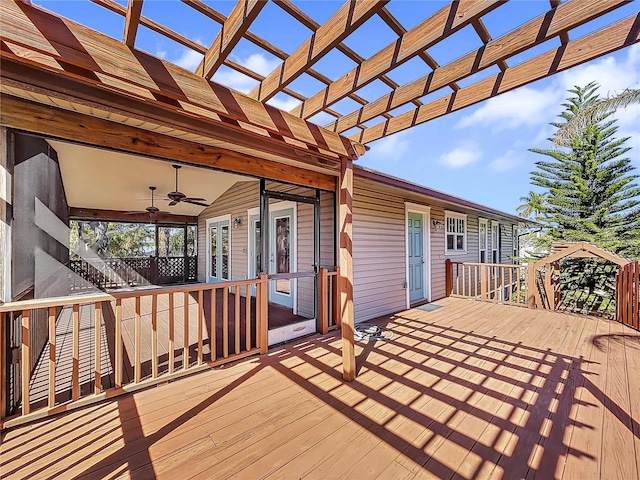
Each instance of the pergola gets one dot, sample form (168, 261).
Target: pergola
(63, 79)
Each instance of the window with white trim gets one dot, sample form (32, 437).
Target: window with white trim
(483, 229)
(495, 242)
(516, 247)
(456, 232)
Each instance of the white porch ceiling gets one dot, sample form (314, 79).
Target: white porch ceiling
(108, 180)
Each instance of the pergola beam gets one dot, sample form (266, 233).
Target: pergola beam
(439, 26)
(535, 32)
(609, 39)
(345, 21)
(132, 18)
(235, 26)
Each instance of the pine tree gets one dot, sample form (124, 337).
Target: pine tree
(589, 186)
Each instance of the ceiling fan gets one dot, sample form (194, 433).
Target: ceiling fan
(177, 196)
(152, 210)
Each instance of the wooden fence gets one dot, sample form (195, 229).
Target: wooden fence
(106, 273)
(628, 295)
(329, 300)
(118, 330)
(488, 282)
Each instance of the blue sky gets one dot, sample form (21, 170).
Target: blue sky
(479, 153)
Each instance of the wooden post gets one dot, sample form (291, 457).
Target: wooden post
(483, 283)
(447, 277)
(346, 270)
(25, 361)
(118, 344)
(52, 357)
(75, 372)
(337, 313)
(97, 380)
(262, 301)
(531, 286)
(323, 301)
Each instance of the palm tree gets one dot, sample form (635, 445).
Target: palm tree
(533, 206)
(590, 115)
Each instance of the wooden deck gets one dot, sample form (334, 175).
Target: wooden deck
(469, 390)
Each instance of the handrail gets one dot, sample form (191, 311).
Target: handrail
(106, 297)
(488, 282)
(235, 320)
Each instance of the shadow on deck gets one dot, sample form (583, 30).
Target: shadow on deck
(470, 390)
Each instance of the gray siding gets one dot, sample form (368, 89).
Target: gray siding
(379, 250)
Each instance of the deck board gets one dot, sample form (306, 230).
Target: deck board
(470, 390)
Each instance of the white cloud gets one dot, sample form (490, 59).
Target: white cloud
(284, 102)
(189, 59)
(389, 149)
(531, 106)
(524, 106)
(503, 163)
(461, 156)
(256, 62)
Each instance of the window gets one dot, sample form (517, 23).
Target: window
(483, 240)
(495, 242)
(516, 247)
(456, 233)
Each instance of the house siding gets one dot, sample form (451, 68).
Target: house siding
(379, 249)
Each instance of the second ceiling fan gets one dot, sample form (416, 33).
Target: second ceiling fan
(177, 196)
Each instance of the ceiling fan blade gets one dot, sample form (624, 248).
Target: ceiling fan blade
(194, 199)
(173, 202)
(195, 203)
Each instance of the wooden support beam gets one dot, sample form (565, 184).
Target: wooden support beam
(345, 21)
(237, 23)
(346, 270)
(439, 26)
(132, 19)
(94, 214)
(609, 39)
(535, 32)
(33, 36)
(33, 117)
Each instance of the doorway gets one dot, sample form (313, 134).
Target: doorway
(218, 249)
(417, 254)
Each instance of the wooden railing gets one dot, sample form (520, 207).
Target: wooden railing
(100, 346)
(105, 273)
(329, 300)
(488, 282)
(628, 295)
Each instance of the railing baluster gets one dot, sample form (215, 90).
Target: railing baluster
(136, 344)
(247, 311)
(154, 336)
(263, 298)
(75, 374)
(26, 361)
(118, 344)
(97, 381)
(3, 364)
(237, 319)
(52, 357)
(171, 333)
(225, 322)
(212, 339)
(185, 345)
(337, 306)
(200, 319)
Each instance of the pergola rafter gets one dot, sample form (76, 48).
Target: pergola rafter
(237, 23)
(439, 26)
(333, 36)
(607, 40)
(345, 21)
(494, 52)
(134, 9)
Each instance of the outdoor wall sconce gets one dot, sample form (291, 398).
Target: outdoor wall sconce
(437, 225)
(237, 222)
